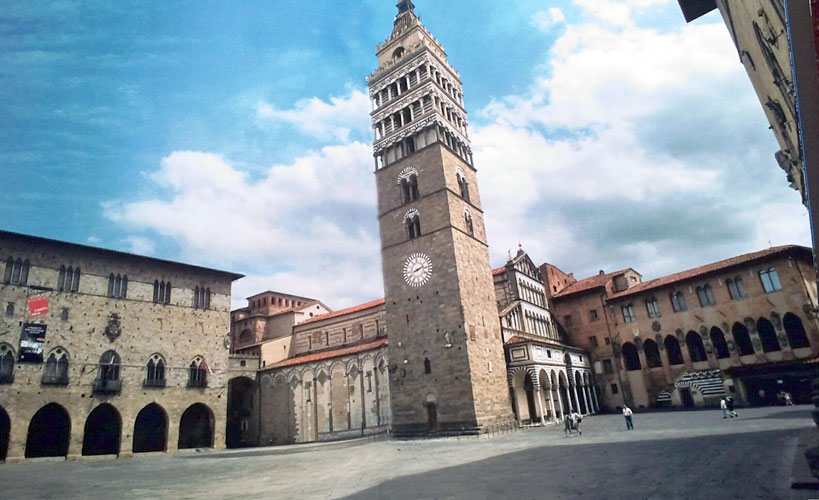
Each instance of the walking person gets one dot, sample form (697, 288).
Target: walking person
(788, 400)
(576, 419)
(724, 406)
(627, 413)
(729, 402)
(567, 425)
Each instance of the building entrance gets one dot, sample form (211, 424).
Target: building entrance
(102, 431)
(48, 432)
(196, 427)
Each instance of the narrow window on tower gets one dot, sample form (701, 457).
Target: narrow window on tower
(413, 223)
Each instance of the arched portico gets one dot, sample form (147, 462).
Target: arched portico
(103, 429)
(49, 432)
(196, 427)
(5, 431)
(151, 429)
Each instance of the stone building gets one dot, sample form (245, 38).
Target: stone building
(445, 339)
(744, 326)
(334, 384)
(547, 377)
(109, 353)
(760, 34)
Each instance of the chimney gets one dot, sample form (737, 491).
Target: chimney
(602, 272)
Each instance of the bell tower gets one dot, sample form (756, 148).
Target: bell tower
(447, 368)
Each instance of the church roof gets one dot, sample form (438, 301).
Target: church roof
(333, 353)
(342, 312)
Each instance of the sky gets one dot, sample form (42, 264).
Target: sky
(236, 135)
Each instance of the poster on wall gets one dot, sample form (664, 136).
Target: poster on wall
(37, 306)
(32, 340)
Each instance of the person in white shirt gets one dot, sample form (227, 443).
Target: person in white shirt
(576, 419)
(724, 406)
(628, 413)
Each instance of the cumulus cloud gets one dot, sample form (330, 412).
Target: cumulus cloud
(545, 20)
(140, 245)
(633, 148)
(341, 119)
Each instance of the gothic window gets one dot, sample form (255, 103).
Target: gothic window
(69, 279)
(155, 372)
(109, 366)
(162, 292)
(630, 357)
(55, 371)
(201, 298)
(653, 359)
(678, 302)
(413, 223)
(468, 222)
(706, 296)
(672, 349)
(742, 339)
(628, 313)
(735, 288)
(770, 280)
(6, 364)
(198, 373)
(696, 349)
(767, 335)
(117, 286)
(718, 339)
(409, 188)
(16, 271)
(653, 308)
(463, 186)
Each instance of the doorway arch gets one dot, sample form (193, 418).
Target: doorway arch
(5, 430)
(48, 432)
(767, 334)
(151, 429)
(241, 393)
(103, 429)
(196, 427)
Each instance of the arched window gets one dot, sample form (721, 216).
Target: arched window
(6, 364)
(678, 302)
(628, 313)
(468, 222)
(742, 339)
(201, 298)
(653, 308)
(630, 357)
(55, 371)
(162, 292)
(672, 349)
(706, 296)
(108, 381)
(463, 186)
(735, 288)
(770, 280)
(767, 335)
(795, 331)
(718, 339)
(16, 271)
(696, 349)
(413, 223)
(398, 52)
(245, 336)
(69, 279)
(409, 188)
(198, 373)
(653, 359)
(427, 366)
(155, 372)
(117, 286)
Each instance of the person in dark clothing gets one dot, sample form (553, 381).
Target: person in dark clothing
(729, 402)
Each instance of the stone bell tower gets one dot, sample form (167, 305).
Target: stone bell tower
(447, 369)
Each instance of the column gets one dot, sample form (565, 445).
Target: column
(540, 405)
(576, 399)
(560, 403)
(594, 398)
(584, 390)
(552, 404)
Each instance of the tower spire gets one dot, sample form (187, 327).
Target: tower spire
(405, 6)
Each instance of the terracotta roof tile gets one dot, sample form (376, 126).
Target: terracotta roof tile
(516, 340)
(498, 271)
(709, 268)
(589, 283)
(334, 353)
(349, 310)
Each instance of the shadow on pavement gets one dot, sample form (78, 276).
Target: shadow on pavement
(784, 414)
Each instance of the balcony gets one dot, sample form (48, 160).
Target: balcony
(54, 380)
(153, 383)
(197, 383)
(107, 386)
(6, 378)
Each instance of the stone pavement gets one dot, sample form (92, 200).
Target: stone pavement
(694, 454)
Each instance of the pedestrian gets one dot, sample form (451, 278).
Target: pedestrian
(567, 425)
(576, 419)
(724, 406)
(729, 402)
(788, 401)
(627, 413)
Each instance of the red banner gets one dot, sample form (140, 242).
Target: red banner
(37, 306)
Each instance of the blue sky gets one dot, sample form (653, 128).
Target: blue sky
(607, 134)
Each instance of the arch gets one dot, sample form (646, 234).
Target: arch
(5, 431)
(246, 335)
(672, 349)
(197, 373)
(241, 395)
(742, 339)
(795, 331)
(48, 432)
(720, 345)
(653, 359)
(630, 357)
(151, 429)
(696, 349)
(103, 428)
(109, 366)
(580, 389)
(529, 389)
(196, 427)
(6, 364)
(767, 334)
(398, 52)
(55, 369)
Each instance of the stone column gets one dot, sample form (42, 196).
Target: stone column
(560, 403)
(540, 405)
(576, 399)
(584, 389)
(552, 404)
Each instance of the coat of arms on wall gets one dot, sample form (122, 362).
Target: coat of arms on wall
(113, 330)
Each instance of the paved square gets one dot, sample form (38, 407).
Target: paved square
(669, 455)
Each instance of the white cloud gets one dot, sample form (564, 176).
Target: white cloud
(341, 119)
(140, 245)
(616, 12)
(545, 20)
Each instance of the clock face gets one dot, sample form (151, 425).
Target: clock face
(417, 269)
